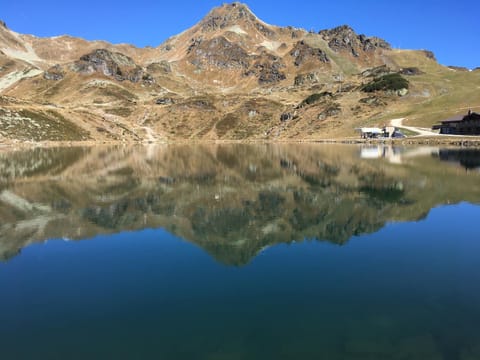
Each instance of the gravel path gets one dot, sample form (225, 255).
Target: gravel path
(421, 131)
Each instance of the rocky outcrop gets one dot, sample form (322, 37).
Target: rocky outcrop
(218, 52)
(286, 116)
(160, 67)
(55, 73)
(383, 70)
(331, 110)
(373, 101)
(110, 63)
(264, 30)
(306, 79)
(373, 43)
(429, 54)
(267, 68)
(165, 101)
(3, 24)
(302, 53)
(411, 71)
(344, 39)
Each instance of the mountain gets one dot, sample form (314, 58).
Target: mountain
(231, 76)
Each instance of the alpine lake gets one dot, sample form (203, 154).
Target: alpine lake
(237, 251)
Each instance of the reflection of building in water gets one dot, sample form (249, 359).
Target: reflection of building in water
(392, 153)
(468, 158)
(395, 154)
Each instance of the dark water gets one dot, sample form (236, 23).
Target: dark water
(240, 252)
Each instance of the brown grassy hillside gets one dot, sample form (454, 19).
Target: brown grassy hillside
(230, 77)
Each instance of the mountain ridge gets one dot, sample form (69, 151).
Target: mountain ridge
(231, 76)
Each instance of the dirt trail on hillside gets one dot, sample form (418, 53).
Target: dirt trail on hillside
(421, 131)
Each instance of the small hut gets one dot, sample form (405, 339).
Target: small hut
(460, 125)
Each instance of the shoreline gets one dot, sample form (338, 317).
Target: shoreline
(448, 140)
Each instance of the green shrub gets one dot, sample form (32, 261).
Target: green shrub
(386, 82)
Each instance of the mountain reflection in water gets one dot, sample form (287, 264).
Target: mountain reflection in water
(231, 200)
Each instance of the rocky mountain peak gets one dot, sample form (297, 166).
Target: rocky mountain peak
(231, 15)
(227, 15)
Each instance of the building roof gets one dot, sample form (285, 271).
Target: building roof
(459, 118)
(372, 130)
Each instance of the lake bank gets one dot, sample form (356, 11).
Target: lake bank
(446, 140)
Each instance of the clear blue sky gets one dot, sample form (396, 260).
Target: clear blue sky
(449, 29)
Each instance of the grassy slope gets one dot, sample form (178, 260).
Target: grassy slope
(451, 91)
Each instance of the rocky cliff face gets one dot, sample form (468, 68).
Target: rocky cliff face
(302, 53)
(219, 53)
(344, 39)
(113, 64)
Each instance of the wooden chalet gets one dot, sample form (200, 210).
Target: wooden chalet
(460, 125)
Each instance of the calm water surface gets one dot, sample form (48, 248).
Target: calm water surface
(240, 252)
